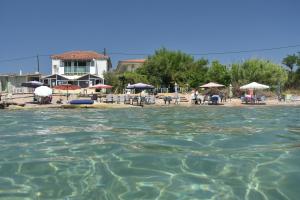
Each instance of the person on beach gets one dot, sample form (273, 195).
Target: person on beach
(196, 97)
(193, 97)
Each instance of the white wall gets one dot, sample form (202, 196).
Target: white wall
(60, 69)
(93, 70)
(98, 69)
(101, 66)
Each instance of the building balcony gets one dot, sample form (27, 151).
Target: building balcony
(75, 73)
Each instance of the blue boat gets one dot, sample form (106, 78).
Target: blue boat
(81, 101)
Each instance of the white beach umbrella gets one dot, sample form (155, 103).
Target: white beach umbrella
(140, 86)
(43, 91)
(211, 85)
(254, 85)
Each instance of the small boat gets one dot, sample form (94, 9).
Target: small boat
(81, 101)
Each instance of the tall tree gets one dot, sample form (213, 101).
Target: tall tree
(290, 61)
(262, 71)
(218, 73)
(166, 67)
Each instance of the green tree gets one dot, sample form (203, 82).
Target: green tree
(165, 67)
(133, 77)
(196, 74)
(111, 78)
(261, 71)
(218, 73)
(290, 61)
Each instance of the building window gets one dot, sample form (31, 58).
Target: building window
(76, 67)
(82, 63)
(67, 63)
(55, 69)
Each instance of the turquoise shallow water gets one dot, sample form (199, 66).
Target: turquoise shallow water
(151, 153)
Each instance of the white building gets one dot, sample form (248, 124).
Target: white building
(130, 65)
(83, 68)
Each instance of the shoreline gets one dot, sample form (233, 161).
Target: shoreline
(121, 106)
(159, 103)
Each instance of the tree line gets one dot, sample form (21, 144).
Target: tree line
(165, 68)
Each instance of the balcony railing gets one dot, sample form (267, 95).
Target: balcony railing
(75, 73)
(76, 70)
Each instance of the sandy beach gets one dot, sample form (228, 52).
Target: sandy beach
(25, 101)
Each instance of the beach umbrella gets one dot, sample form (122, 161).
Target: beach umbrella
(254, 86)
(66, 87)
(211, 85)
(141, 86)
(101, 86)
(32, 84)
(43, 91)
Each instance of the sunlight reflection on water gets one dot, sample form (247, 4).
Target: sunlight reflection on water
(163, 153)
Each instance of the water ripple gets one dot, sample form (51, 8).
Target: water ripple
(157, 153)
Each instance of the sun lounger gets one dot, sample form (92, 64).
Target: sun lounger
(295, 98)
(109, 99)
(126, 99)
(150, 99)
(120, 99)
(260, 99)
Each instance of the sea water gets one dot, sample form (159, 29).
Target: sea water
(151, 153)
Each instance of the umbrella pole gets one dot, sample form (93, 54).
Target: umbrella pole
(67, 93)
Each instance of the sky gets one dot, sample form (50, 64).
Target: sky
(32, 27)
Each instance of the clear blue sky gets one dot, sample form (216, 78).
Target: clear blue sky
(47, 27)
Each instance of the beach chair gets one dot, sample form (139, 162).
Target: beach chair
(295, 98)
(167, 99)
(121, 98)
(109, 99)
(260, 99)
(126, 99)
(150, 99)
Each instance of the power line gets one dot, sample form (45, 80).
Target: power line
(15, 59)
(146, 54)
(217, 53)
(246, 51)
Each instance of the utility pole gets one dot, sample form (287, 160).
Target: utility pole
(38, 63)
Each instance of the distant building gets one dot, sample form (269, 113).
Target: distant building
(129, 65)
(11, 83)
(83, 68)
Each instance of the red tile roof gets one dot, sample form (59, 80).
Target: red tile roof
(135, 60)
(79, 55)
